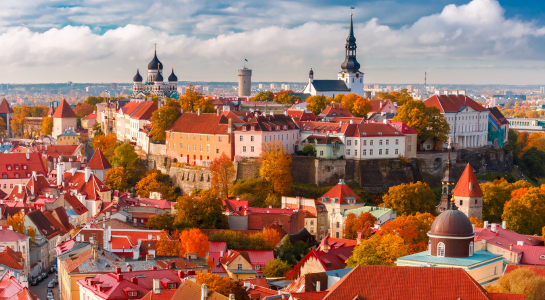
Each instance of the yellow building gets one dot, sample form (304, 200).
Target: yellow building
(242, 265)
(68, 137)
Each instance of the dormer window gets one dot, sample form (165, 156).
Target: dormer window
(25, 167)
(9, 167)
(253, 127)
(257, 267)
(172, 285)
(132, 294)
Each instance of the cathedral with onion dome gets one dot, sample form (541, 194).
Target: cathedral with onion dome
(154, 83)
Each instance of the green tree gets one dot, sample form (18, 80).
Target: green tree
(408, 199)
(97, 129)
(204, 212)
(253, 190)
(309, 149)
(161, 120)
(125, 155)
(292, 253)
(276, 268)
(316, 104)
(267, 96)
(164, 221)
(378, 250)
(513, 141)
(92, 100)
(534, 162)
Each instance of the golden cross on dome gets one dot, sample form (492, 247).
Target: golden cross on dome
(155, 47)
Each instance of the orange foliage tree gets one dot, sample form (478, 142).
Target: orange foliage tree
(475, 221)
(413, 230)
(275, 166)
(354, 224)
(107, 144)
(535, 139)
(223, 174)
(271, 237)
(193, 241)
(222, 285)
(167, 247)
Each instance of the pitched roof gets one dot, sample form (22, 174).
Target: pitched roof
(91, 187)
(333, 259)
(377, 108)
(43, 225)
(334, 111)
(233, 206)
(5, 108)
(301, 115)
(268, 122)
(330, 85)
(402, 127)
(12, 259)
(498, 115)
(23, 294)
(77, 206)
(370, 129)
(99, 161)
(406, 283)
(192, 290)
(203, 124)
(21, 165)
(339, 194)
(467, 185)
(453, 103)
(92, 116)
(7, 235)
(145, 111)
(64, 111)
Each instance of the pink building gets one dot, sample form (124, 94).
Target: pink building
(409, 89)
(263, 129)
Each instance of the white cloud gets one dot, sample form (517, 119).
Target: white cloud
(477, 30)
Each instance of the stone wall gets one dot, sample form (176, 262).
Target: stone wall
(303, 169)
(247, 168)
(157, 149)
(329, 171)
(162, 163)
(190, 178)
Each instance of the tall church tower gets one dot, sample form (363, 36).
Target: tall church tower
(350, 73)
(447, 186)
(468, 195)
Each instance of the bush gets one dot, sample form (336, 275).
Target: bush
(309, 149)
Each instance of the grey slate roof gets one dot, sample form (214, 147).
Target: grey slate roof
(330, 85)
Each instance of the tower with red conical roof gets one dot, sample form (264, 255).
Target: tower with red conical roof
(6, 113)
(468, 195)
(63, 118)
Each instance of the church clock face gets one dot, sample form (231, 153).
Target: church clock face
(357, 75)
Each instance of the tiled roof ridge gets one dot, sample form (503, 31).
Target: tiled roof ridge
(64, 111)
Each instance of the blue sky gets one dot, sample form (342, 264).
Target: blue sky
(478, 41)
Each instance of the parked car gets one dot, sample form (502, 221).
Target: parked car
(50, 291)
(44, 275)
(40, 278)
(56, 281)
(52, 270)
(51, 284)
(49, 295)
(34, 282)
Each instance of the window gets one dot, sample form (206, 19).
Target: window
(355, 152)
(387, 142)
(495, 270)
(380, 142)
(371, 143)
(441, 249)
(187, 147)
(348, 152)
(219, 138)
(243, 148)
(471, 249)
(251, 138)
(387, 151)
(475, 201)
(371, 152)
(241, 138)
(364, 152)
(356, 142)
(217, 150)
(265, 139)
(397, 141)
(194, 136)
(208, 148)
(379, 151)
(321, 153)
(311, 222)
(429, 247)
(252, 149)
(409, 148)
(397, 152)
(257, 267)
(172, 285)
(194, 147)
(461, 202)
(349, 142)
(408, 139)
(239, 267)
(338, 224)
(365, 142)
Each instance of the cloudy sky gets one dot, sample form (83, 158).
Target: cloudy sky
(455, 41)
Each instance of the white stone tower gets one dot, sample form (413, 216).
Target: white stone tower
(244, 82)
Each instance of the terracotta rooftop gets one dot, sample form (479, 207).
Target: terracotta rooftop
(203, 124)
(20, 165)
(467, 185)
(453, 103)
(99, 161)
(64, 111)
(339, 194)
(5, 108)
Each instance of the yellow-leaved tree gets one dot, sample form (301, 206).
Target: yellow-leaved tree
(275, 166)
(378, 250)
(357, 105)
(521, 281)
(223, 174)
(161, 120)
(47, 125)
(316, 104)
(116, 179)
(2, 128)
(411, 198)
(193, 241)
(17, 222)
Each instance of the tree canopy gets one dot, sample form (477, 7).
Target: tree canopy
(495, 195)
(276, 268)
(161, 120)
(275, 166)
(47, 125)
(413, 229)
(408, 199)
(378, 250)
(267, 96)
(152, 183)
(204, 211)
(521, 281)
(116, 179)
(354, 224)
(397, 97)
(357, 105)
(222, 285)
(316, 104)
(525, 213)
(223, 174)
(427, 121)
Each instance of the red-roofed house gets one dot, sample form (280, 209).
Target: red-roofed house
(99, 164)
(468, 120)
(89, 121)
(17, 168)
(249, 264)
(123, 118)
(300, 115)
(411, 138)
(63, 118)
(20, 243)
(382, 106)
(335, 111)
(315, 217)
(468, 195)
(14, 286)
(6, 113)
(140, 118)
(198, 138)
(323, 259)
(291, 220)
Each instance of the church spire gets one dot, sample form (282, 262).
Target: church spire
(447, 185)
(350, 64)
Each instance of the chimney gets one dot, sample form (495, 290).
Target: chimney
(117, 270)
(485, 224)
(217, 112)
(32, 190)
(154, 268)
(199, 111)
(129, 269)
(181, 274)
(318, 286)
(134, 280)
(204, 292)
(520, 243)
(504, 224)
(73, 170)
(351, 121)
(511, 247)
(385, 121)
(87, 174)
(172, 265)
(20, 188)
(380, 104)
(119, 277)
(11, 227)
(483, 241)
(493, 227)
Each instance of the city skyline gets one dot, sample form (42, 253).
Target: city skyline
(478, 42)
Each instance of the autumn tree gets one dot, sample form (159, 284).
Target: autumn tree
(535, 139)
(189, 98)
(116, 179)
(106, 143)
(427, 121)
(193, 241)
(408, 199)
(316, 104)
(522, 281)
(47, 125)
(357, 105)
(526, 215)
(253, 190)
(205, 212)
(495, 195)
(240, 241)
(84, 109)
(223, 172)
(398, 97)
(286, 97)
(165, 245)
(164, 221)
(413, 229)
(222, 285)
(205, 105)
(271, 237)
(378, 250)
(267, 96)
(17, 222)
(150, 183)
(354, 224)
(3, 132)
(337, 99)
(31, 233)
(161, 120)
(125, 155)
(19, 119)
(276, 268)
(475, 221)
(275, 166)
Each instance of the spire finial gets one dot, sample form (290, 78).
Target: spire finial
(155, 47)
(137, 66)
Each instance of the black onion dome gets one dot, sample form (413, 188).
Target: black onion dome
(155, 64)
(137, 77)
(172, 76)
(158, 77)
(311, 73)
(452, 223)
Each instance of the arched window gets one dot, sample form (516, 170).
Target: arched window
(471, 249)
(441, 249)
(461, 202)
(429, 247)
(475, 201)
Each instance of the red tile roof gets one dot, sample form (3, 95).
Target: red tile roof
(99, 161)
(292, 222)
(12, 259)
(145, 111)
(7, 235)
(402, 127)
(217, 246)
(385, 282)
(92, 116)
(10, 288)
(64, 111)
(346, 120)
(268, 122)
(453, 103)
(531, 255)
(467, 185)
(338, 242)
(43, 225)
(204, 124)
(334, 259)
(376, 108)
(5, 108)
(310, 295)
(17, 165)
(190, 290)
(131, 107)
(23, 294)
(339, 193)
(91, 188)
(301, 115)
(233, 206)
(56, 223)
(77, 206)
(58, 150)
(332, 111)
(369, 129)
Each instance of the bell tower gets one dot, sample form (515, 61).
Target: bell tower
(447, 185)
(350, 73)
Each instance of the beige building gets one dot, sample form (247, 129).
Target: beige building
(63, 118)
(315, 214)
(411, 138)
(337, 200)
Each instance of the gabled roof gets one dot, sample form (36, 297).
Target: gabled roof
(330, 85)
(301, 115)
(192, 290)
(203, 124)
(402, 127)
(43, 225)
(145, 111)
(17, 165)
(268, 122)
(91, 188)
(336, 112)
(376, 108)
(467, 185)
(7, 235)
(5, 108)
(370, 130)
(233, 206)
(12, 259)
(453, 103)
(77, 206)
(498, 115)
(92, 116)
(99, 161)
(339, 194)
(334, 259)
(64, 111)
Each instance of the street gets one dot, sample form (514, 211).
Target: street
(40, 290)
